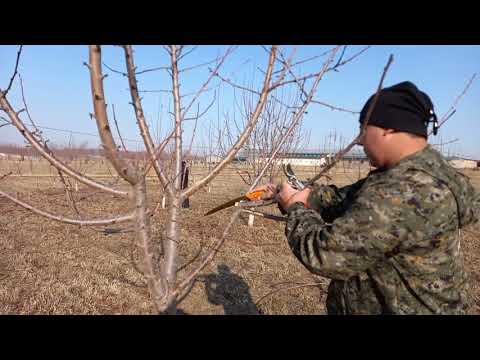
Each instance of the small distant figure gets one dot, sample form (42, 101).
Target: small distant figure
(186, 202)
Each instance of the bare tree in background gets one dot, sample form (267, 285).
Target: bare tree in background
(278, 124)
(274, 122)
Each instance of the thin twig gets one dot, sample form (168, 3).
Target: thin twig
(231, 83)
(199, 115)
(205, 84)
(38, 132)
(158, 151)
(286, 63)
(155, 91)
(340, 58)
(308, 59)
(113, 70)
(151, 69)
(306, 77)
(189, 151)
(301, 87)
(351, 58)
(68, 191)
(118, 129)
(199, 65)
(446, 143)
(180, 56)
(453, 108)
(6, 124)
(4, 93)
(332, 107)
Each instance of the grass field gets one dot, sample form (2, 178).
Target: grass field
(47, 267)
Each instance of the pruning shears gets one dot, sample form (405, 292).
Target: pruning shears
(292, 178)
(254, 198)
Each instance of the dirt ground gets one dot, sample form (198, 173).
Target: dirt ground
(47, 267)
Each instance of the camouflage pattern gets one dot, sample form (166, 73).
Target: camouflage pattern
(390, 242)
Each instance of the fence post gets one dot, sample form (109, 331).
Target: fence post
(251, 217)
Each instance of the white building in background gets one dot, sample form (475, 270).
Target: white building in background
(305, 159)
(213, 159)
(463, 163)
(318, 159)
(313, 158)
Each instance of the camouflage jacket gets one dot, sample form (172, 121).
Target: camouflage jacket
(390, 242)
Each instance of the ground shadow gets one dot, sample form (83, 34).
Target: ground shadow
(177, 312)
(229, 290)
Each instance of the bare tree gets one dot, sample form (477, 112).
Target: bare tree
(278, 124)
(274, 122)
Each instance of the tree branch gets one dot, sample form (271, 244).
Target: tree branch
(124, 169)
(306, 77)
(150, 70)
(246, 133)
(181, 56)
(142, 123)
(143, 230)
(332, 107)
(306, 60)
(297, 118)
(50, 157)
(158, 151)
(68, 220)
(109, 68)
(205, 84)
(453, 108)
(4, 93)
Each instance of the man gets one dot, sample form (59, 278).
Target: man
(389, 242)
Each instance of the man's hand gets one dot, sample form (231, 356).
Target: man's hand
(270, 191)
(287, 195)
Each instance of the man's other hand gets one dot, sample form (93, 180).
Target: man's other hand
(287, 195)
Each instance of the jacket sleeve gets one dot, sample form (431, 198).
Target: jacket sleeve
(381, 216)
(330, 201)
(476, 206)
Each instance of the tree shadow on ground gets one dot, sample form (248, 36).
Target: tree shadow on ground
(229, 290)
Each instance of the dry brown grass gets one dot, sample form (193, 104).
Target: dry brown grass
(51, 268)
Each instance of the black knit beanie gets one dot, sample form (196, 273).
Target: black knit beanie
(402, 107)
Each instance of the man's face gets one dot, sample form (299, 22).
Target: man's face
(373, 142)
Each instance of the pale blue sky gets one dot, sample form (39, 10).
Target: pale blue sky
(58, 92)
